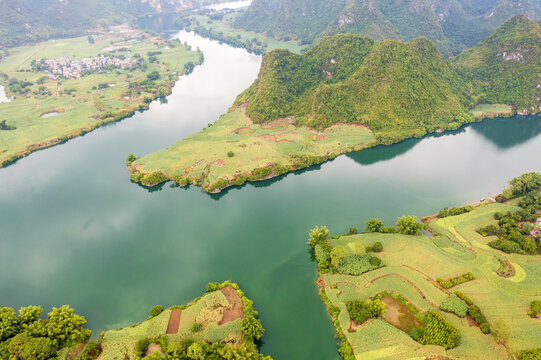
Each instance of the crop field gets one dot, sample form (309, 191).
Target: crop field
(412, 266)
(206, 311)
(491, 110)
(234, 147)
(223, 29)
(79, 105)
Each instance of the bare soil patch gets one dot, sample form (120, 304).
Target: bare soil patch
(174, 321)
(154, 347)
(218, 162)
(244, 131)
(279, 123)
(400, 315)
(506, 269)
(353, 326)
(471, 322)
(233, 312)
(277, 138)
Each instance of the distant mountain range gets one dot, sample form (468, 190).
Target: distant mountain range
(453, 25)
(399, 90)
(23, 21)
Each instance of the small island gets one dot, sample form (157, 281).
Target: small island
(348, 93)
(465, 280)
(221, 324)
(65, 88)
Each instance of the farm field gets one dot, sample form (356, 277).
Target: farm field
(215, 318)
(219, 25)
(491, 110)
(47, 111)
(234, 150)
(414, 267)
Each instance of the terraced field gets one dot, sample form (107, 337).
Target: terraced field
(413, 264)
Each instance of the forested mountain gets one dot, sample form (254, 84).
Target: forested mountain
(452, 25)
(24, 21)
(398, 89)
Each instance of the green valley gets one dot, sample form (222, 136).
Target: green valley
(392, 90)
(394, 292)
(64, 88)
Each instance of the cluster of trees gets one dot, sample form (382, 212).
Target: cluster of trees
(353, 260)
(26, 336)
(447, 284)
(455, 305)
(360, 311)
(531, 354)
(406, 225)
(192, 350)
(535, 309)
(454, 211)
(6, 127)
(514, 229)
(437, 331)
(475, 312)
(19, 86)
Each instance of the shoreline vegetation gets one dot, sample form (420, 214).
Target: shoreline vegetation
(446, 290)
(86, 101)
(394, 91)
(220, 324)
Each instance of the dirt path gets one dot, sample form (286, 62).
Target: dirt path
(235, 311)
(174, 321)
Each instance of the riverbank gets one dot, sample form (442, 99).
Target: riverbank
(84, 101)
(427, 274)
(234, 150)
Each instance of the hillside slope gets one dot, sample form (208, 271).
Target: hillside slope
(452, 25)
(398, 89)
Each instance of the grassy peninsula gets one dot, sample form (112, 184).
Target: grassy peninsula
(346, 93)
(48, 108)
(393, 292)
(221, 324)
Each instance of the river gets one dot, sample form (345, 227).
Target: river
(76, 231)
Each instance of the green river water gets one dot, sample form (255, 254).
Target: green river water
(75, 230)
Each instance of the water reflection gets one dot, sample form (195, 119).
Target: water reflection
(504, 132)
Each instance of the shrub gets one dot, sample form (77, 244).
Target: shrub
(130, 159)
(535, 308)
(230, 154)
(466, 299)
(196, 327)
(141, 348)
(360, 311)
(357, 264)
(501, 198)
(531, 354)
(155, 310)
(252, 328)
(91, 351)
(437, 331)
(377, 247)
(408, 225)
(375, 261)
(374, 225)
(153, 178)
(485, 328)
(447, 284)
(476, 314)
(352, 231)
(455, 305)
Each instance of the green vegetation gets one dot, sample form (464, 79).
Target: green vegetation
(438, 331)
(155, 310)
(259, 152)
(447, 284)
(408, 286)
(222, 324)
(454, 211)
(218, 25)
(344, 94)
(452, 25)
(532, 354)
(360, 311)
(26, 336)
(81, 104)
(535, 308)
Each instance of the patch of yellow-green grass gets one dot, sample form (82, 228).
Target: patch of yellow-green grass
(223, 29)
(206, 311)
(86, 107)
(234, 150)
(491, 110)
(413, 263)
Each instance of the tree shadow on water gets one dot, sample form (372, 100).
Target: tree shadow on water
(506, 133)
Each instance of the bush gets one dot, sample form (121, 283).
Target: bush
(360, 311)
(408, 225)
(252, 328)
(377, 247)
(532, 354)
(447, 284)
(466, 299)
(196, 327)
(437, 331)
(455, 305)
(357, 264)
(501, 198)
(374, 225)
(141, 348)
(91, 351)
(535, 308)
(155, 310)
(476, 314)
(352, 231)
(230, 154)
(485, 328)
(375, 261)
